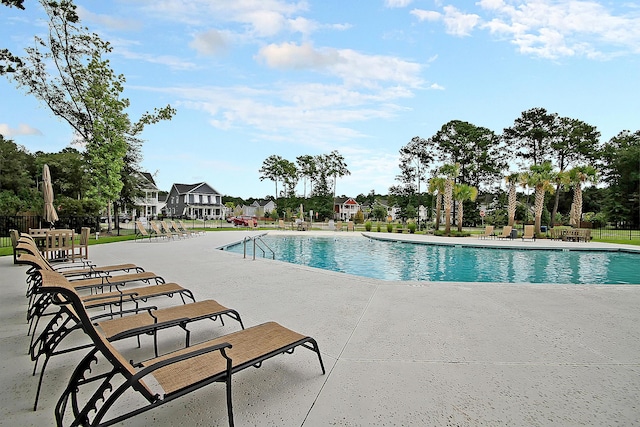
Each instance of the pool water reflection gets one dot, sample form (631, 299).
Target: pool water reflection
(386, 260)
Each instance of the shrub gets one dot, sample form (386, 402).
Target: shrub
(378, 227)
(389, 227)
(412, 227)
(367, 225)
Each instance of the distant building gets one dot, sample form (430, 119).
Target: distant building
(259, 207)
(345, 208)
(392, 211)
(199, 201)
(153, 202)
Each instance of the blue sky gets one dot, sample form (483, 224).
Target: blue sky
(253, 78)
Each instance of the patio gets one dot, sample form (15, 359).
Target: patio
(396, 353)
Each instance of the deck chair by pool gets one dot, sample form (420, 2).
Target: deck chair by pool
(184, 227)
(183, 231)
(147, 321)
(167, 230)
(156, 231)
(488, 232)
(141, 232)
(339, 226)
(72, 270)
(529, 233)
(281, 225)
(15, 237)
(350, 226)
(506, 232)
(92, 392)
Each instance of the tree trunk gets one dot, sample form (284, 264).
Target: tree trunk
(555, 205)
(576, 212)
(538, 208)
(513, 202)
(438, 209)
(460, 216)
(448, 195)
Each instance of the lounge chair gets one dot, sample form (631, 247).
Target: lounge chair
(339, 226)
(506, 232)
(350, 226)
(145, 321)
(167, 230)
(529, 233)
(15, 236)
(281, 225)
(141, 232)
(71, 270)
(488, 233)
(184, 227)
(90, 393)
(183, 231)
(157, 232)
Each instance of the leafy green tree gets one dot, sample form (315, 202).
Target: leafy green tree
(379, 212)
(476, 149)
(17, 167)
(531, 134)
(462, 193)
(575, 142)
(336, 168)
(17, 3)
(620, 168)
(307, 170)
(415, 159)
(278, 169)
(68, 72)
(540, 177)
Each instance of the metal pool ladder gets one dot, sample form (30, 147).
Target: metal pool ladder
(258, 243)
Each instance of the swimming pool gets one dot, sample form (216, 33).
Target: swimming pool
(387, 260)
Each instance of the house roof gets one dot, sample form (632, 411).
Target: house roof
(201, 187)
(345, 201)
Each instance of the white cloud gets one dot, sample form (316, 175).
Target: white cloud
(397, 3)
(426, 15)
(456, 22)
(210, 42)
(553, 29)
(23, 129)
(352, 67)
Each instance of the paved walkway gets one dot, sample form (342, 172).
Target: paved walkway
(397, 353)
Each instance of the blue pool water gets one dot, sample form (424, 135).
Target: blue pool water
(385, 260)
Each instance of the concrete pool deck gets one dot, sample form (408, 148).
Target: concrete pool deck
(396, 353)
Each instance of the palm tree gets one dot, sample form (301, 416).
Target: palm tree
(512, 181)
(462, 192)
(436, 187)
(541, 177)
(577, 177)
(450, 172)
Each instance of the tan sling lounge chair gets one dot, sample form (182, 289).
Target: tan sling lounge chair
(488, 232)
(506, 232)
(529, 233)
(144, 321)
(90, 393)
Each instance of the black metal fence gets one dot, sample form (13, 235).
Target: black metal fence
(23, 223)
